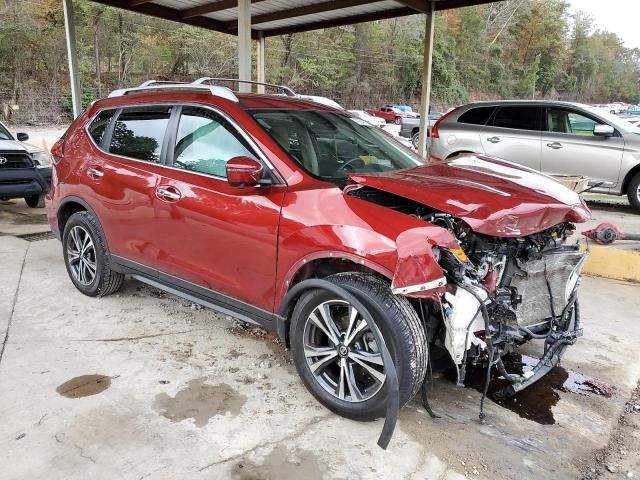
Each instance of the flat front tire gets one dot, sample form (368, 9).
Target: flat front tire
(337, 356)
(86, 256)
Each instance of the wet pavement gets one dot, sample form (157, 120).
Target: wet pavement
(141, 384)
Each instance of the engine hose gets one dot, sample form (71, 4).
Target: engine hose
(508, 376)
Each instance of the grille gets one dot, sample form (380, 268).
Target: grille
(536, 304)
(36, 237)
(15, 160)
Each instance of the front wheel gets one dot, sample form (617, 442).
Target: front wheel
(633, 191)
(397, 120)
(337, 356)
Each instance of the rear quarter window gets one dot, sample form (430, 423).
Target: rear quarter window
(476, 116)
(99, 125)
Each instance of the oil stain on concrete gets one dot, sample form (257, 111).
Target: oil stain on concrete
(200, 402)
(84, 386)
(280, 463)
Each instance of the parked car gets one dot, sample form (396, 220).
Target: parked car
(557, 138)
(364, 259)
(407, 110)
(410, 127)
(633, 110)
(390, 114)
(24, 169)
(375, 121)
(612, 108)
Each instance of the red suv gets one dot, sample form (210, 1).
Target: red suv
(366, 260)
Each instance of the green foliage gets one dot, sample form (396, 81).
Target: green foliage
(508, 49)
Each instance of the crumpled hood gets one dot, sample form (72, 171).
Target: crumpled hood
(493, 196)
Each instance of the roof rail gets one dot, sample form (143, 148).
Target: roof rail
(286, 90)
(151, 85)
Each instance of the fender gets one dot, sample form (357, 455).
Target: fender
(65, 201)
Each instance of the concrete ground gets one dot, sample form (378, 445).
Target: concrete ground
(142, 384)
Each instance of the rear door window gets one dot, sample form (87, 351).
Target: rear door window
(139, 133)
(476, 116)
(518, 117)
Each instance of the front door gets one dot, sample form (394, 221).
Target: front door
(213, 235)
(513, 133)
(569, 147)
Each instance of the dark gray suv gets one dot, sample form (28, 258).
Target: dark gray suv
(557, 138)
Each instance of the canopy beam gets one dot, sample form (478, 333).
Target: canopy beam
(425, 98)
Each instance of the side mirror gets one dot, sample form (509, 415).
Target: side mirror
(603, 131)
(244, 172)
(22, 137)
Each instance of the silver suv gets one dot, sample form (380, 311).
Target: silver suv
(557, 138)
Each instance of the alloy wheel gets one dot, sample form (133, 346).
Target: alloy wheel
(81, 255)
(342, 353)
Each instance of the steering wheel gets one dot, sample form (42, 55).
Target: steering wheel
(340, 169)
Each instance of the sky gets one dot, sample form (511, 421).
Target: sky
(618, 16)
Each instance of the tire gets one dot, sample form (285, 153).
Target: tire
(401, 329)
(35, 201)
(633, 191)
(97, 278)
(397, 120)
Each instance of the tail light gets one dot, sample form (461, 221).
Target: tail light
(57, 151)
(434, 130)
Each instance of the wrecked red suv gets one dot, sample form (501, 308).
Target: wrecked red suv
(367, 261)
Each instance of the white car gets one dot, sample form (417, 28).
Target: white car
(40, 157)
(375, 121)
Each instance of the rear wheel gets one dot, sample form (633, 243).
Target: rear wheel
(397, 120)
(35, 201)
(633, 191)
(336, 353)
(87, 258)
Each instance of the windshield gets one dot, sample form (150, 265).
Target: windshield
(331, 145)
(4, 133)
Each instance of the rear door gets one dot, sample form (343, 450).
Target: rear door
(211, 234)
(122, 179)
(513, 133)
(569, 147)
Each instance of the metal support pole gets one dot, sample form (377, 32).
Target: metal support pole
(425, 99)
(72, 55)
(260, 76)
(244, 44)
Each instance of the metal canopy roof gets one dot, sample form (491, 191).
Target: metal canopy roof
(277, 17)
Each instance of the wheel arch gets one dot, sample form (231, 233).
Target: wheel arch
(628, 177)
(318, 266)
(68, 207)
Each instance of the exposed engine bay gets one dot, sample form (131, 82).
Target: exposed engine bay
(501, 292)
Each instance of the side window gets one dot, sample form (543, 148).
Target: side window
(476, 116)
(518, 117)
(567, 121)
(138, 133)
(100, 124)
(205, 142)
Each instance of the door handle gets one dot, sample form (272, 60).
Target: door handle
(554, 145)
(494, 139)
(95, 172)
(168, 193)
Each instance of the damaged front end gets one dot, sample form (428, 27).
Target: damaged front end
(505, 292)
